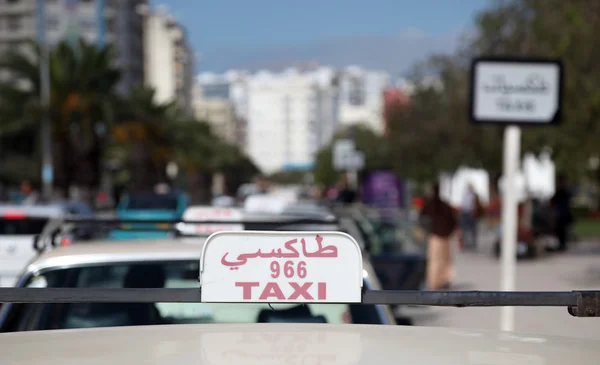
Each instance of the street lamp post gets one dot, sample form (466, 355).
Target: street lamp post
(46, 130)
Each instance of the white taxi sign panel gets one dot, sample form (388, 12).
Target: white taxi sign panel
(281, 267)
(209, 213)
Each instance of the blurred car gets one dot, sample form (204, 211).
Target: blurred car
(399, 259)
(21, 224)
(170, 206)
(164, 263)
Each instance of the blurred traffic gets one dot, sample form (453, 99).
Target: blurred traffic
(122, 151)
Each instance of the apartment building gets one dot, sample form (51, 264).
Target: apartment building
(291, 115)
(116, 22)
(169, 59)
(361, 97)
(218, 95)
(218, 112)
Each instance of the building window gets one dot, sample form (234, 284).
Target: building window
(356, 93)
(87, 24)
(52, 23)
(13, 22)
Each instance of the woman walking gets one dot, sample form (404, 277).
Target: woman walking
(442, 225)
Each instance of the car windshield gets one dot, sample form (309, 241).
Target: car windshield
(177, 274)
(152, 202)
(26, 226)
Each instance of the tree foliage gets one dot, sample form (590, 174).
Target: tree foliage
(434, 133)
(92, 125)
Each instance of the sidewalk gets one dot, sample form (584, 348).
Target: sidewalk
(578, 269)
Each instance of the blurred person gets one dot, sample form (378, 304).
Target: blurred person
(442, 225)
(223, 200)
(264, 186)
(470, 212)
(561, 203)
(28, 193)
(345, 194)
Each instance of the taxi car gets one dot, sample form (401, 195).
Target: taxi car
(143, 207)
(154, 264)
(240, 269)
(19, 226)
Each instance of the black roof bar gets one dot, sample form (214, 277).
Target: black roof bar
(579, 303)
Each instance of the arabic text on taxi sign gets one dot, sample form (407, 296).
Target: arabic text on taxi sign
(281, 267)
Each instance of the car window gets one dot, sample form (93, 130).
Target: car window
(27, 226)
(181, 274)
(152, 202)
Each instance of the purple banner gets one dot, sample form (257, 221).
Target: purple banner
(382, 189)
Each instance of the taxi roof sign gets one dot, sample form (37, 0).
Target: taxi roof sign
(281, 267)
(209, 213)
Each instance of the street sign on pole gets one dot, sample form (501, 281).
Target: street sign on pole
(514, 92)
(342, 151)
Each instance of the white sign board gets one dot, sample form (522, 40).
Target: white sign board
(346, 157)
(343, 149)
(281, 267)
(515, 91)
(206, 213)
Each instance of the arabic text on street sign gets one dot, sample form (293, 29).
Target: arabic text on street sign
(514, 92)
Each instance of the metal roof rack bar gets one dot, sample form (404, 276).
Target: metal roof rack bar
(579, 303)
(284, 220)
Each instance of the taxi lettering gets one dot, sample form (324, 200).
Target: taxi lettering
(273, 290)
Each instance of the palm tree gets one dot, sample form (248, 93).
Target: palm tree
(143, 137)
(83, 79)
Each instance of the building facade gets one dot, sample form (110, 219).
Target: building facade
(169, 59)
(116, 22)
(361, 97)
(218, 112)
(291, 115)
(225, 91)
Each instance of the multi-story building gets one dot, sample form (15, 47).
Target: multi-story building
(117, 22)
(224, 90)
(291, 115)
(218, 112)
(169, 59)
(361, 97)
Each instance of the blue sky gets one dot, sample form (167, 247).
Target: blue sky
(383, 34)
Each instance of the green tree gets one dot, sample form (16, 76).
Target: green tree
(143, 138)
(83, 81)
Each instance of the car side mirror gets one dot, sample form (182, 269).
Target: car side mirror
(36, 238)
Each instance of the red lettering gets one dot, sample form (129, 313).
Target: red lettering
(247, 293)
(272, 290)
(300, 290)
(322, 293)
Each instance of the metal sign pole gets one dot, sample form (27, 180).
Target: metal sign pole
(512, 141)
(46, 128)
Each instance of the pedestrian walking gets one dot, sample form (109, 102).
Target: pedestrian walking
(442, 223)
(561, 202)
(470, 212)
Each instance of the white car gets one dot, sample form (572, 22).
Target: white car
(240, 275)
(167, 263)
(19, 224)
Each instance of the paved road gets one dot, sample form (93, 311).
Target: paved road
(577, 269)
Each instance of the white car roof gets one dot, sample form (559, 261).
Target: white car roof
(119, 251)
(51, 211)
(273, 343)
